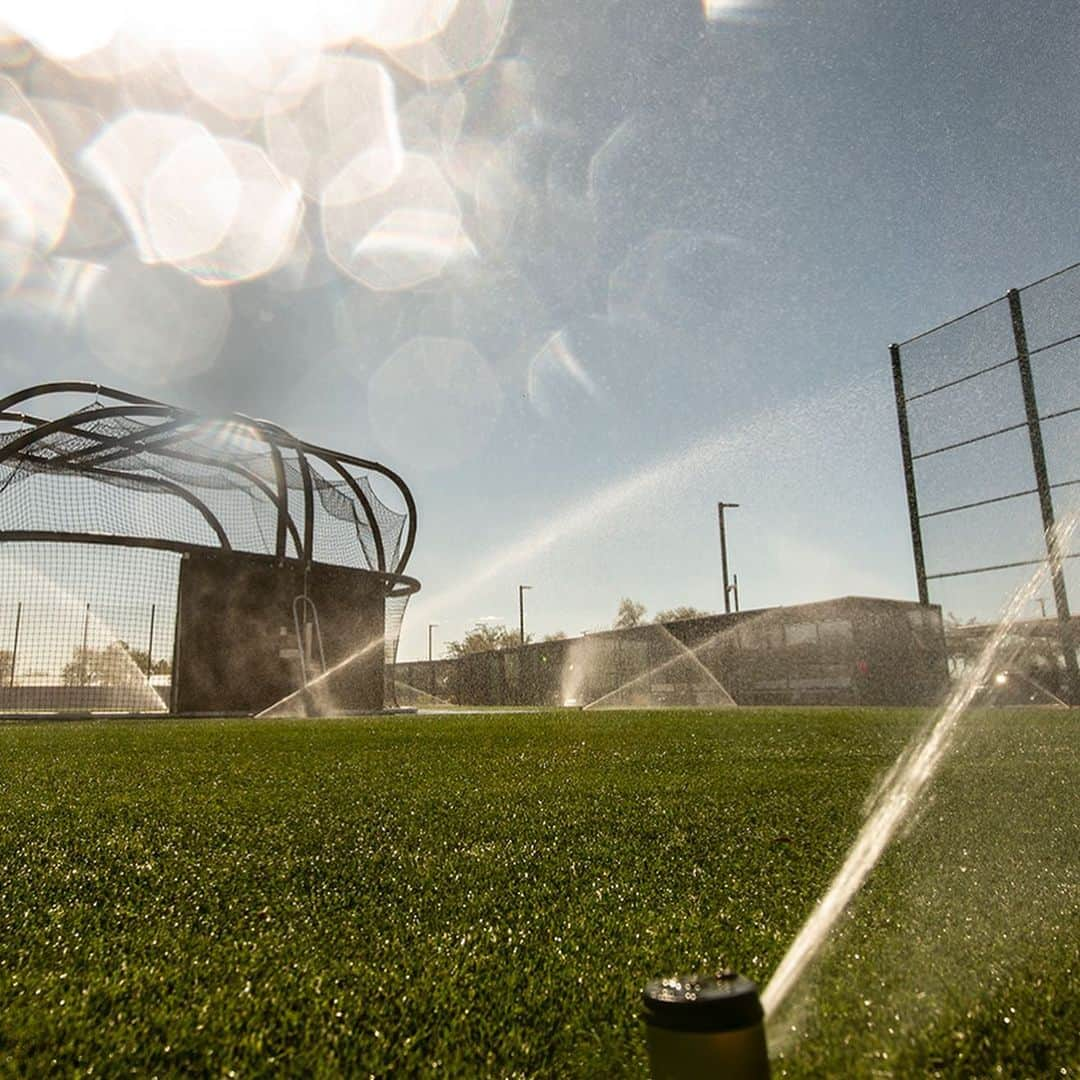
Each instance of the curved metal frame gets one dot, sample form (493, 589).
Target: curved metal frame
(380, 551)
(163, 450)
(171, 429)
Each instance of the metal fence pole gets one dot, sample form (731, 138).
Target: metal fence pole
(1046, 502)
(15, 645)
(84, 673)
(909, 476)
(150, 644)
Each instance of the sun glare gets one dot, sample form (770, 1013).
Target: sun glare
(717, 10)
(68, 32)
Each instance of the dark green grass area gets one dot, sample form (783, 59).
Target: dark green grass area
(485, 895)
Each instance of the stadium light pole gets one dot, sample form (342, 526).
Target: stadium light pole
(431, 626)
(720, 508)
(521, 610)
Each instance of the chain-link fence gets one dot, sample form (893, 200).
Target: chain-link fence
(989, 414)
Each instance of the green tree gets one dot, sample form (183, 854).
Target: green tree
(557, 636)
(140, 657)
(113, 665)
(631, 613)
(6, 659)
(484, 637)
(683, 612)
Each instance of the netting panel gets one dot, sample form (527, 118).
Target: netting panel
(959, 349)
(123, 476)
(67, 502)
(86, 628)
(970, 443)
(395, 616)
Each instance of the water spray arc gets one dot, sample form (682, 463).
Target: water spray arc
(898, 797)
(685, 653)
(783, 423)
(317, 684)
(692, 655)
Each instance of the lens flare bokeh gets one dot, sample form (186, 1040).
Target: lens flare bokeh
(176, 148)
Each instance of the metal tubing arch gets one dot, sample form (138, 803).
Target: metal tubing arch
(395, 585)
(309, 506)
(172, 488)
(272, 435)
(71, 424)
(331, 456)
(117, 446)
(168, 486)
(380, 552)
(282, 508)
(283, 505)
(162, 448)
(406, 494)
(258, 427)
(70, 387)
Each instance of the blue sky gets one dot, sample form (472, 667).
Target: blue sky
(691, 241)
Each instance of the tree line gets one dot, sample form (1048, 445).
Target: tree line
(486, 637)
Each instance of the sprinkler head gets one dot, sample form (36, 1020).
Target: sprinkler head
(705, 1026)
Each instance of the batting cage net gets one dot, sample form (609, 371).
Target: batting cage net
(103, 494)
(989, 414)
(86, 628)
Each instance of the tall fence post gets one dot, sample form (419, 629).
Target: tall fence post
(1046, 502)
(150, 645)
(15, 645)
(84, 671)
(909, 476)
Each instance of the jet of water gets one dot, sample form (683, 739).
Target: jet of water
(422, 697)
(696, 660)
(786, 425)
(316, 686)
(899, 796)
(686, 651)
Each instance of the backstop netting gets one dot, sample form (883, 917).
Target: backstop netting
(99, 505)
(989, 412)
(979, 514)
(86, 628)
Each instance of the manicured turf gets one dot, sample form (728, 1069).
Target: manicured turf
(485, 895)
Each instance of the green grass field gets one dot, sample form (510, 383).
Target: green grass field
(486, 894)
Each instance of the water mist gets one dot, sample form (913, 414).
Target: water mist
(899, 796)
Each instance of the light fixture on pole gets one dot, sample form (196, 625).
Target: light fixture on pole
(720, 508)
(521, 610)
